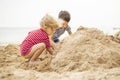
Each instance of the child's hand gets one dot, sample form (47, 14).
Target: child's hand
(50, 50)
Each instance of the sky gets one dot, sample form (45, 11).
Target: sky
(102, 14)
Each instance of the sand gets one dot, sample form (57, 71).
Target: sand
(88, 54)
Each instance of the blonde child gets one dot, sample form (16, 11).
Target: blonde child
(37, 40)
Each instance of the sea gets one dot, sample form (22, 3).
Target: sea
(17, 34)
(14, 34)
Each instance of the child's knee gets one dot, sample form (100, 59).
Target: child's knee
(42, 45)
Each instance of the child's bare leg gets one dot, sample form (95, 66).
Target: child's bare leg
(36, 51)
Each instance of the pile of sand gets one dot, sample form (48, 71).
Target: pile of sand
(87, 49)
(116, 37)
(88, 54)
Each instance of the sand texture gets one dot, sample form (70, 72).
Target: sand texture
(88, 54)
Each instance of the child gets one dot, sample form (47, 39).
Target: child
(64, 18)
(37, 40)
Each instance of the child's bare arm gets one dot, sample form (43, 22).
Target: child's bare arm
(69, 32)
(53, 44)
(50, 50)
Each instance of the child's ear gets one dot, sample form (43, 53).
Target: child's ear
(45, 26)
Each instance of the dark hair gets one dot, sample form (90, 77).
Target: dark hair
(65, 15)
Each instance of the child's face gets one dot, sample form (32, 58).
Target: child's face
(62, 23)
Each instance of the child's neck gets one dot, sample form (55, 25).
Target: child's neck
(44, 30)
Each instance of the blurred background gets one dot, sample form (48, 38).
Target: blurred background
(18, 17)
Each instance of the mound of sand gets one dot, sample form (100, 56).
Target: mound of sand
(88, 54)
(87, 49)
(116, 37)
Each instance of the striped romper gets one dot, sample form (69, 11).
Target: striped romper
(34, 37)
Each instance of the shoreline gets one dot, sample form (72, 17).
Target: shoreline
(8, 43)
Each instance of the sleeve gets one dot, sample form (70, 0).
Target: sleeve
(68, 29)
(47, 43)
(55, 35)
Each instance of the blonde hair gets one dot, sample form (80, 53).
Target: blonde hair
(48, 21)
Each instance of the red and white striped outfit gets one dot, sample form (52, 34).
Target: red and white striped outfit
(34, 37)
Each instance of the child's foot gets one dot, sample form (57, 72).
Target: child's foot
(34, 62)
(27, 60)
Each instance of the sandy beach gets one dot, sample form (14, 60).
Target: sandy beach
(88, 54)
